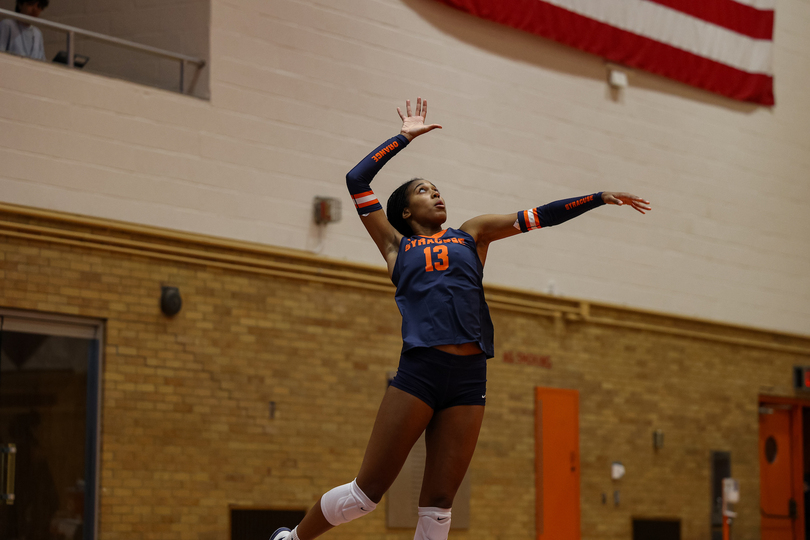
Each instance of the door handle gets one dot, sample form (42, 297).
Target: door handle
(792, 510)
(8, 466)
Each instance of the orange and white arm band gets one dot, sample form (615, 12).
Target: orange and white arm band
(556, 212)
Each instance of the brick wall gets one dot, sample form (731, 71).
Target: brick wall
(186, 429)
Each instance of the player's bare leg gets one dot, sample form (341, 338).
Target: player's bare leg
(450, 437)
(400, 422)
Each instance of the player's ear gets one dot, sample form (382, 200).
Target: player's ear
(406, 213)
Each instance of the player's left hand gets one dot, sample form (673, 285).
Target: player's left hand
(620, 199)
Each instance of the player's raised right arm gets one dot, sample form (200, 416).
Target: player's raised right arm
(358, 180)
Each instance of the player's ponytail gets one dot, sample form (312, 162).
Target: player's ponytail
(397, 203)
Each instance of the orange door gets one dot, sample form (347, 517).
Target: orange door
(776, 473)
(557, 464)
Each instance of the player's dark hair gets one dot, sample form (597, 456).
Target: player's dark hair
(397, 203)
(42, 4)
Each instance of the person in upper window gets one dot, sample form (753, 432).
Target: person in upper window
(21, 38)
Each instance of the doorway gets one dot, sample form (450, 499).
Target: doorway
(557, 464)
(49, 414)
(782, 466)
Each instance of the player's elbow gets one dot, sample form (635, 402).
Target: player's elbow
(353, 179)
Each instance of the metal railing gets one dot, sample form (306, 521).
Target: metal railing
(72, 32)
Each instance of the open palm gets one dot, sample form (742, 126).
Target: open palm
(414, 125)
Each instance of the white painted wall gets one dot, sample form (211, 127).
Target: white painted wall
(302, 89)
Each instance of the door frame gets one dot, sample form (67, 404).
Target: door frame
(797, 445)
(81, 327)
(538, 394)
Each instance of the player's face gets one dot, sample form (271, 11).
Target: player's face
(425, 204)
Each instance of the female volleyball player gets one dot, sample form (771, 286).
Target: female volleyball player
(440, 386)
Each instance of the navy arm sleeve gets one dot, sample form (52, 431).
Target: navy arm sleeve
(358, 180)
(557, 212)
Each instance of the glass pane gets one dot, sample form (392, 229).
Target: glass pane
(770, 449)
(43, 406)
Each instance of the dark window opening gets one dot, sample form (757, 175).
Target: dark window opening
(656, 529)
(253, 523)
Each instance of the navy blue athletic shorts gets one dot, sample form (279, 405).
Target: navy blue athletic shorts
(441, 379)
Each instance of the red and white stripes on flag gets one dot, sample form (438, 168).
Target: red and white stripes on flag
(725, 46)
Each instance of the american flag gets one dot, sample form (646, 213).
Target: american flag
(724, 46)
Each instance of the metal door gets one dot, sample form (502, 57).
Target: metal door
(557, 464)
(777, 501)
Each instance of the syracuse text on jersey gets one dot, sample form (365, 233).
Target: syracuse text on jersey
(425, 241)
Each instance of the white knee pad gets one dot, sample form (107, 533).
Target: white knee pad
(433, 524)
(345, 503)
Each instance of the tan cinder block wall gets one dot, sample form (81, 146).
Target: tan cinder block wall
(186, 430)
(301, 90)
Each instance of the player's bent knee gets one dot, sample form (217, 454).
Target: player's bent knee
(433, 524)
(345, 503)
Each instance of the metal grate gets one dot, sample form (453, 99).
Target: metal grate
(259, 523)
(656, 529)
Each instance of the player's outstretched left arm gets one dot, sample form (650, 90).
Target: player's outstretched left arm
(487, 228)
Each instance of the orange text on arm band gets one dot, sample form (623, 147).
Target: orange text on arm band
(579, 202)
(387, 150)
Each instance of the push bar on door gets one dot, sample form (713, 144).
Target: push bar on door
(8, 463)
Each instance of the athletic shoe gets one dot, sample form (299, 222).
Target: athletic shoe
(282, 533)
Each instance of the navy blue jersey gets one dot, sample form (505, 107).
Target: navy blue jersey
(440, 292)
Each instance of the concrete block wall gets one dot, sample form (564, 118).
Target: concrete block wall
(302, 89)
(186, 430)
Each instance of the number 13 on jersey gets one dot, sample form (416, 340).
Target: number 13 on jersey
(443, 262)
